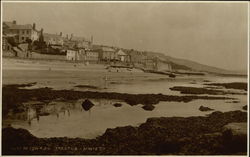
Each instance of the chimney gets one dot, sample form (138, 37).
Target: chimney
(92, 39)
(67, 36)
(14, 22)
(71, 36)
(34, 25)
(61, 34)
(41, 38)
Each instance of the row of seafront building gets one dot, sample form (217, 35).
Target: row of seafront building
(68, 47)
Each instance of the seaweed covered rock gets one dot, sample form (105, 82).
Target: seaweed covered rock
(203, 108)
(237, 128)
(117, 104)
(235, 137)
(148, 107)
(244, 107)
(12, 138)
(119, 134)
(217, 133)
(87, 105)
(232, 85)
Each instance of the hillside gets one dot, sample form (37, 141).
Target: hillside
(184, 64)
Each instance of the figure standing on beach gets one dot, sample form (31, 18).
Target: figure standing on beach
(106, 81)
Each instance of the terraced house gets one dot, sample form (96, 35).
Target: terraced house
(22, 32)
(53, 39)
(108, 54)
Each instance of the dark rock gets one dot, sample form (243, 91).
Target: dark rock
(235, 137)
(119, 133)
(21, 134)
(131, 101)
(117, 104)
(201, 135)
(233, 85)
(235, 101)
(172, 75)
(167, 147)
(206, 81)
(202, 108)
(244, 107)
(148, 107)
(48, 94)
(87, 105)
(87, 86)
(197, 90)
(237, 128)
(12, 138)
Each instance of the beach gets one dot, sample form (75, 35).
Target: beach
(52, 94)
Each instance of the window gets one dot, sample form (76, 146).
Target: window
(27, 32)
(23, 32)
(22, 38)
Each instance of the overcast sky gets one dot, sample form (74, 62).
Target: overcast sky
(210, 33)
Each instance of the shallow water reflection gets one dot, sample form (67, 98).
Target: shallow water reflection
(72, 121)
(60, 118)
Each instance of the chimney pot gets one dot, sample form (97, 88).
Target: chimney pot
(34, 25)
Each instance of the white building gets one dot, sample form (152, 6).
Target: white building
(22, 32)
(122, 56)
(76, 55)
(71, 54)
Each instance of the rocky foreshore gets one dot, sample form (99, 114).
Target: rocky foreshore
(47, 94)
(157, 136)
(232, 85)
(202, 90)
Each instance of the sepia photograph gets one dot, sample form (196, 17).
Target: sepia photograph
(124, 78)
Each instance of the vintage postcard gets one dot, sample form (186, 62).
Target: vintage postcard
(124, 78)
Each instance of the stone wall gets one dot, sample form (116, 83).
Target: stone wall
(36, 55)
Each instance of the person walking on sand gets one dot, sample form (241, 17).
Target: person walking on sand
(106, 80)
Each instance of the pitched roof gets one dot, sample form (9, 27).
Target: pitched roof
(108, 49)
(79, 39)
(71, 48)
(56, 47)
(121, 53)
(96, 47)
(7, 23)
(47, 35)
(27, 26)
(74, 38)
